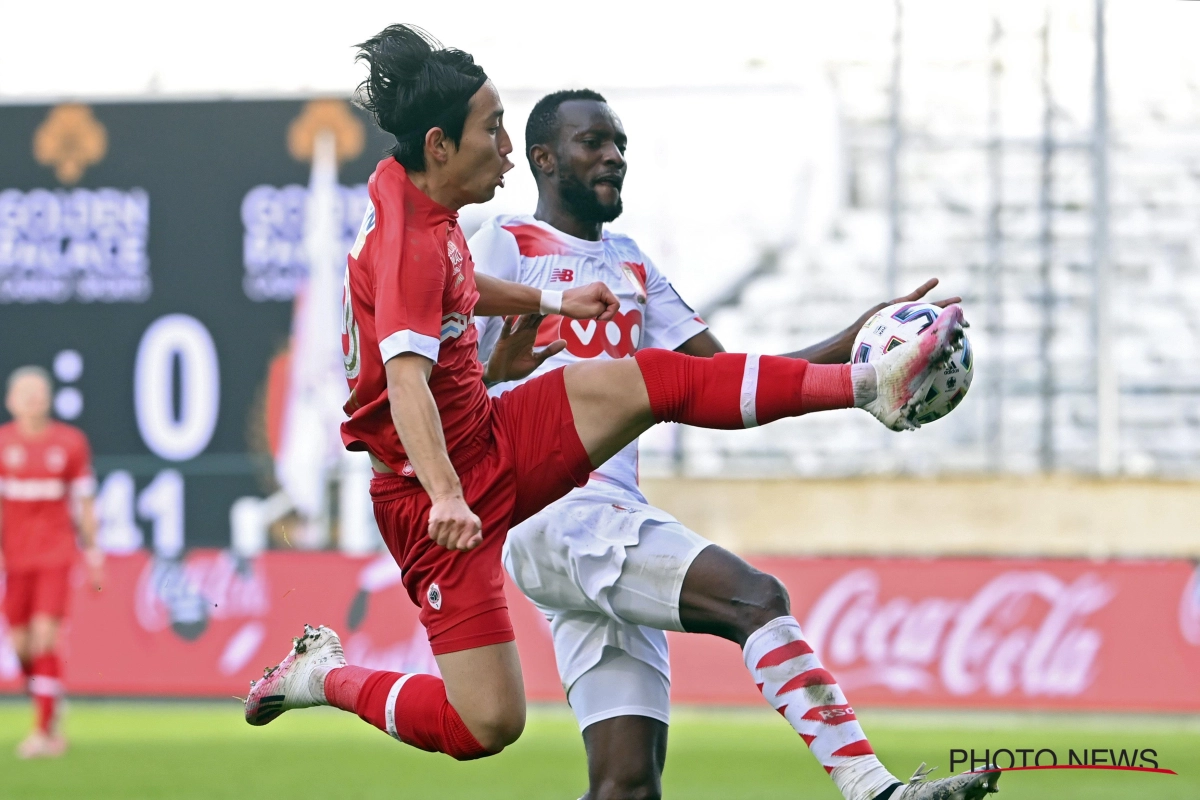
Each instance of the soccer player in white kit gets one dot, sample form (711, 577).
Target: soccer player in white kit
(610, 571)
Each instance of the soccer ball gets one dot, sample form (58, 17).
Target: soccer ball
(900, 323)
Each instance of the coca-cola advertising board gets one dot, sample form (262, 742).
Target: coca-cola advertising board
(1067, 634)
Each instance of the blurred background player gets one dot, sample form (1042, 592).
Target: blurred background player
(611, 572)
(47, 487)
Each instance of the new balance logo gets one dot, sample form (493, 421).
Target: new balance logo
(562, 275)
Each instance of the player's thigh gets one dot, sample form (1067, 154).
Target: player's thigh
(609, 403)
(485, 686)
(649, 589)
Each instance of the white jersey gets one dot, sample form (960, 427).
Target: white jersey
(525, 250)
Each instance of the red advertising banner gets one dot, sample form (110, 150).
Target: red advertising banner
(967, 633)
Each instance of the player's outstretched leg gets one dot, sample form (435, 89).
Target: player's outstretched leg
(613, 402)
(725, 596)
(409, 707)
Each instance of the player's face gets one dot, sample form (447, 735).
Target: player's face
(477, 166)
(591, 159)
(29, 399)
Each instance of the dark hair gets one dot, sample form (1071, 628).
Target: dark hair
(415, 84)
(542, 125)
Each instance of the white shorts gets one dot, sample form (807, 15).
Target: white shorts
(607, 569)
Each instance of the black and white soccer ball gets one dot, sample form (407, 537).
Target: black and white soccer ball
(902, 322)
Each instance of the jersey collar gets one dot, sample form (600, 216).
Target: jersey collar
(420, 204)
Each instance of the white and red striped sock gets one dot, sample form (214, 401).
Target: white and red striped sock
(790, 676)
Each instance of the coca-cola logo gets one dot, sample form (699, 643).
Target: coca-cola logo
(1024, 632)
(588, 338)
(186, 594)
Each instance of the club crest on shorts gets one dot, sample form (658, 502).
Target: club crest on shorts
(434, 595)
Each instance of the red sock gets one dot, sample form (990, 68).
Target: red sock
(410, 707)
(735, 390)
(46, 687)
(343, 685)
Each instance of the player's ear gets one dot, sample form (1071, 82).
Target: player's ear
(543, 159)
(438, 146)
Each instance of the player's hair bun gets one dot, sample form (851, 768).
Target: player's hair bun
(414, 83)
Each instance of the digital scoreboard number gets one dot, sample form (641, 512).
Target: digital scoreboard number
(149, 256)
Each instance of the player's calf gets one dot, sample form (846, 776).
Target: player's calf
(625, 755)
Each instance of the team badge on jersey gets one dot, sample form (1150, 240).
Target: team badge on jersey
(434, 595)
(636, 275)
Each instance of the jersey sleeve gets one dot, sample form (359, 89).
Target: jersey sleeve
(408, 299)
(80, 477)
(495, 252)
(669, 320)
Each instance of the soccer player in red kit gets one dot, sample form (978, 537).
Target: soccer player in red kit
(454, 469)
(45, 469)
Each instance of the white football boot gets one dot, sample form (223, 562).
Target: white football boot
(904, 374)
(967, 786)
(299, 680)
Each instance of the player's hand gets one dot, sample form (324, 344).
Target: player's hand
(846, 337)
(453, 525)
(514, 357)
(93, 557)
(594, 301)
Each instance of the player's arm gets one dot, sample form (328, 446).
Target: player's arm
(837, 349)
(414, 413)
(83, 503)
(501, 298)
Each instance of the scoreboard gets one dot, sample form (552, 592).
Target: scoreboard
(149, 257)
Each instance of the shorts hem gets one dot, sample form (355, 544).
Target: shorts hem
(625, 711)
(488, 627)
(680, 577)
(445, 646)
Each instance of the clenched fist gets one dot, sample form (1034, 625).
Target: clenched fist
(453, 525)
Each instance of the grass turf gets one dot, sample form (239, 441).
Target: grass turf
(202, 750)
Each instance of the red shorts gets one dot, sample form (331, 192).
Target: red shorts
(36, 591)
(532, 457)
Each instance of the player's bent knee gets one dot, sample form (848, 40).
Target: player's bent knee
(764, 598)
(498, 729)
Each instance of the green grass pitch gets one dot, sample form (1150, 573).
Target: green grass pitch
(204, 750)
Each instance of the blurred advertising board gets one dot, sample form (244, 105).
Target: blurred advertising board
(967, 633)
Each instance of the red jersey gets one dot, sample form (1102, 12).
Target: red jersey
(38, 479)
(410, 288)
